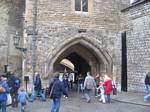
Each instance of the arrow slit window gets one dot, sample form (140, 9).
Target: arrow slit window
(81, 5)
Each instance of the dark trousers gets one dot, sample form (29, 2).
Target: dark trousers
(22, 106)
(14, 99)
(3, 106)
(108, 98)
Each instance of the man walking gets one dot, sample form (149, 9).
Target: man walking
(89, 85)
(38, 88)
(56, 88)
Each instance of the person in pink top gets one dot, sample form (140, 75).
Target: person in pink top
(108, 87)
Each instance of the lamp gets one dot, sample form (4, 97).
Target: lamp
(16, 43)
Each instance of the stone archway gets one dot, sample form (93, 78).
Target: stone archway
(85, 50)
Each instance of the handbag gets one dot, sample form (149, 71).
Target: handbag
(9, 99)
(114, 90)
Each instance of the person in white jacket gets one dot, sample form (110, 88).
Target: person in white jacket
(101, 90)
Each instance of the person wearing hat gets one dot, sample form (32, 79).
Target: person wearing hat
(4, 89)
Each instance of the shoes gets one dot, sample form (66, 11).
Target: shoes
(88, 101)
(44, 100)
(145, 100)
(65, 97)
(100, 100)
(31, 101)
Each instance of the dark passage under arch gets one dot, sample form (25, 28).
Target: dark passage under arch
(82, 58)
(81, 66)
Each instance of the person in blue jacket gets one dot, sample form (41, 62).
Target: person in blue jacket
(38, 88)
(4, 89)
(22, 98)
(56, 88)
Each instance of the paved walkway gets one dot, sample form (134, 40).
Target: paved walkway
(131, 97)
(76, 103)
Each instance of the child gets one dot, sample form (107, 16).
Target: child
(102, 93)
(102, 90)
(22, 99)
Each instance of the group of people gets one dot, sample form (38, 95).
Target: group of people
(19, 95)
(56, 88)
(104, 89)
(102, 85)
(8, 91)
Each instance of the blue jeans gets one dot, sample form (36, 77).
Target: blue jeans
(35, 94)
(80, 87)
(14, 99)
(88, 94)
(22, 107)
(55, 105)
(108, 98)
(147, 97)
(67, 89)
(148, 88)
(3, 106)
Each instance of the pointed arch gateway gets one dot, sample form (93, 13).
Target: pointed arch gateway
(85, 53)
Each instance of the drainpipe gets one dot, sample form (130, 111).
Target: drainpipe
(34, 38)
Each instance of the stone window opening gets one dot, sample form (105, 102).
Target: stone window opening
(81, 6)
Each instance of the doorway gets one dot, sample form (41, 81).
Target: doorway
(124, 63)
(84, 53)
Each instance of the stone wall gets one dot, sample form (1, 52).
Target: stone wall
(11, 20)
(4, 8)
(57, 22)
(136, 22)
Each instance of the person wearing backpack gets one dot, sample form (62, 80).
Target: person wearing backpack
(4, 89)
(15, 85)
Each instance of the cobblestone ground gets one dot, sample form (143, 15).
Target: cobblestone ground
(77, 104)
